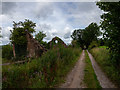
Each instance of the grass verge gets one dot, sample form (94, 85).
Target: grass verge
(102, 57)
(90, 77)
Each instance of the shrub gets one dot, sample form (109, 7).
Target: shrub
(7, 51)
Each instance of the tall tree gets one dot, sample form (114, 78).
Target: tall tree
(18, 36)
(85, 36)
(91, 33)
(77, 35)
(111, 24)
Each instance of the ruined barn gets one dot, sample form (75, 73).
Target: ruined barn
(56, 41)
(32, 48)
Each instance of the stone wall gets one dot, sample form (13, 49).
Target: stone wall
(56, 41)
(34, 49)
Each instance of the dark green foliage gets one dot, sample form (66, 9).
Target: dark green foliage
(78, 36)
(46, 71)
(39, 36)
(85, 36)
(90, 34)
(20, 51)
(111, 24)
(18, 36)
(93, 44)
(7, 52)
(102, 56)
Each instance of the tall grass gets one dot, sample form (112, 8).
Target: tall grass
(46, 71)
(90, 77)
(102, 57)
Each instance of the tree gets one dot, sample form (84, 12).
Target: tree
(111, 24)
(85, 36)
(18, 36)
(91, 33)
(77, 35)
(39, 37)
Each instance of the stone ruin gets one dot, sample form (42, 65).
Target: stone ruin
(34, 48)
(56, 41)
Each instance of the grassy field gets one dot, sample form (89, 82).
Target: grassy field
(102, 57)
(47, 71)
(90, 77)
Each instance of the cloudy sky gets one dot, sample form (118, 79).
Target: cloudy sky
(53, 18)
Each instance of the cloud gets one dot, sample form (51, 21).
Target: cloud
(67, 35)
(6, 35)
(43, 10)
(54, 19)
(8, 7)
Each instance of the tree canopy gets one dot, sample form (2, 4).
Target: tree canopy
(18, 35)
(39, 36)
(85, 36)
(111, 24)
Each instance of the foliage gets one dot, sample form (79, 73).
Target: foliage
(90, 77)
(77, 35)
(46, 71)
(93, 44)
(7, 52)
(102, 57)
(91, 33)
(39, 36)
(75, 43)
(85, 36)
(18, 36)
(111, 24)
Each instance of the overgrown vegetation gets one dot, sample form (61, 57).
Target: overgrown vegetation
(110, 23)
(46, 71)
(102, 57)
(7, 52)
(90, 77)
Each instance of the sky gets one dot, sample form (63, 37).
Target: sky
(53, 18)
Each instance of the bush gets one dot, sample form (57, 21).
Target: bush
(7, 52)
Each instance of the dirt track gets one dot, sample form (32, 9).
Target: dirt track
(76, 76)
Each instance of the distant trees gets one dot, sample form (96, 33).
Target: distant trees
(77, 37)
(39, 37)
(111, 24)
(85, 36)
